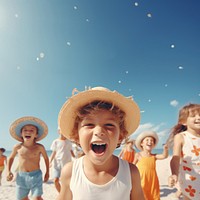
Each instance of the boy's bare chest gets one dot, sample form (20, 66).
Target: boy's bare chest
(25, 152)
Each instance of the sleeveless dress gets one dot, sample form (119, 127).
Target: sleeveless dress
(129, 156)
(149, 178)
(119, 188)
(189, 170)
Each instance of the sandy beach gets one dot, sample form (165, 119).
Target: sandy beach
(7, 189)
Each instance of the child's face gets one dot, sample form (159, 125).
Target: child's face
(193, 121)
(29, 132)
(99, 135)
(148, 143)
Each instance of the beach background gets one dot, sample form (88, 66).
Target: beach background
(7, 189)
(145, 49)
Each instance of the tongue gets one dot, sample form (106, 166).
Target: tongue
(98, 148)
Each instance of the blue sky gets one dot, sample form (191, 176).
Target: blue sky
(149, 49)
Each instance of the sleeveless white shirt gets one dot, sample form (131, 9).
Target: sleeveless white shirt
(119, 188)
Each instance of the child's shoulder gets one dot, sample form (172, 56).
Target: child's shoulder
(39, 146)
(17, 146)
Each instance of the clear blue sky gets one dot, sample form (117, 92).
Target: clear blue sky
(149, 49)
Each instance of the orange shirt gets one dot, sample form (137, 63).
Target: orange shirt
(129, 156)
(2, 159)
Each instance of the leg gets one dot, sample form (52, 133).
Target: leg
(57, 184)
(0, 176)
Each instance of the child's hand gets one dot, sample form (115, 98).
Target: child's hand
(165, 146)
(172, 180)
(10, 176)
(46, 177)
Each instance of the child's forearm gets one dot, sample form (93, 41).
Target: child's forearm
(174, 165)
(9, 164)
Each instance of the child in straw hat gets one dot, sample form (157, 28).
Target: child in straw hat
(28, 130)
(146, 163)
(98, 120)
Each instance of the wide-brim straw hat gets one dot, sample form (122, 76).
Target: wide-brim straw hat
(67, 114)
(17, 125)
(144, 135)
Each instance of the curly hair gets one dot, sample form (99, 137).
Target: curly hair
(94, 106)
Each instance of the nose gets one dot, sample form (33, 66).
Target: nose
(98, 131)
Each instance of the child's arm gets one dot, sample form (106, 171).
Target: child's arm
(52, 156)
(135, 161)
(175, 161)
(136, 192)
(164, 154)
(66, 174)
(46, 160)
(10, 162)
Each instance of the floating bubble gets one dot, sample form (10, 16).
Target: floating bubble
(18, 67)
(37, 58)
(180, 67)
(126, 72)
(41, 55)
(149, 15)
(166, 85)
(75, 7)
(174, 103)
(129, 89)
(172, 46)
(87, 20)
(142, 111)
(199, 94)
(69, 43)
(136, 4)
(149, 100)
(16, 15)
(119, 81)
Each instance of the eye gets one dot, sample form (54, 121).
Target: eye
(109, 125)
(88, 125)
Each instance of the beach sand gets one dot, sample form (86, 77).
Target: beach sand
(7, 189)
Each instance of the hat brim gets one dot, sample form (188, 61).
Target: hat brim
(144, 135)
(67, 115)
(17, 125)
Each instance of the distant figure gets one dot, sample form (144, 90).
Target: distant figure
(146, 163)
(28, 130)
(185, 162)
(128, 152)
(98, 120)
(3, 161)
(61, 154)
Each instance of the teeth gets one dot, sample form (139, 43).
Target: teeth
(98, 143)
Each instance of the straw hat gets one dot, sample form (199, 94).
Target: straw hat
(17, 125)
(144, 135)
(67, 115)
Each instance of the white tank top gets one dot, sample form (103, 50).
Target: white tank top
(119, 188)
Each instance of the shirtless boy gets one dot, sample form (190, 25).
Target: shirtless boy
(28, 130)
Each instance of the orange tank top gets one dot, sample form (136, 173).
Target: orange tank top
(2, 159)
(129, 156)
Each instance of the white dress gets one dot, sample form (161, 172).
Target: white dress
(119, 188)
(189, 171)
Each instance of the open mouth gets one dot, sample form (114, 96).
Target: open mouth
(27, 137)
(98, 148)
